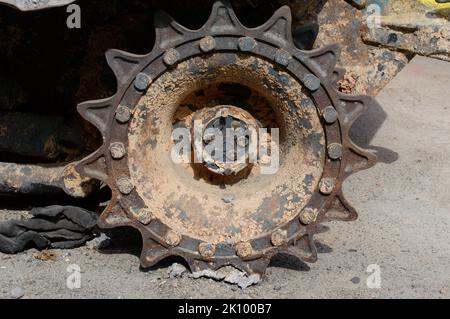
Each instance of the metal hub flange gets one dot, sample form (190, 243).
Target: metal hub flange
(241, 222)
(228, 132)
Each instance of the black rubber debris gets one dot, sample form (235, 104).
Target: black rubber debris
(62, 227)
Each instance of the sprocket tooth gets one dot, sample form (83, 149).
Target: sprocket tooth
(358, 159)
(279, 27)
(153, 253)
(196, 265)
(304, 249)
(94, 166)
(123, 64)
(98, 113)
(257, 266)
(222, 19)
(352, 107)
(168, 32)
(325, 59)
(340, 210)
(113, 216)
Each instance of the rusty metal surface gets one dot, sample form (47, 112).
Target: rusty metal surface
(31, 5)
(418, 27)
(167, 204)
(26, 179)
(29, 179)
(374, 53)
(369, 67)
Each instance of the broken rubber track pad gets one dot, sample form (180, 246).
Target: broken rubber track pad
(61, 227)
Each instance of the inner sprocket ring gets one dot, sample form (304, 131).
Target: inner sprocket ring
(224, 36)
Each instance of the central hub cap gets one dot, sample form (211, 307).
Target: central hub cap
(225, 139)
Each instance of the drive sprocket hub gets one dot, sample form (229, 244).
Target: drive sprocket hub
(209, 213)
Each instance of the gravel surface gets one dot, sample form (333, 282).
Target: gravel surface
(404, 205)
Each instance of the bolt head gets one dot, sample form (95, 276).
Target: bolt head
(283, 57)
(143, 215)
(279, 237)
(327, 185)
(117, 150)
(247, 44)
(123, 114)
(124, 185)
(172, 238)
(335, 151)
(207, 44)
(171, 57)
(312, 82)
(207, 250)
(330, 115)
(244, 249)
(308, 216)
(142, 82)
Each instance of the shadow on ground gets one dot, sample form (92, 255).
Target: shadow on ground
(366, 127)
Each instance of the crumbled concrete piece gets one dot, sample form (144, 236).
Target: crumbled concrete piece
(17, 293)
(229, 275)
(242, 279)
(208, 273)
(176, 271)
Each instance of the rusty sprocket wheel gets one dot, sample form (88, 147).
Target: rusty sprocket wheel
(208, 218)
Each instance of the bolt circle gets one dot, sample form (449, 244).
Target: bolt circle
(265, 50)
(207, 250)
(171, 57)
(124, 185)
(172, 238)
(247, 44)
(117, 150)
(283, 57)
(330, 115)
(312, 82)
(142, 82)
(123, 114)
(335, 151)
(207, 44)
(244, 249)
(308, 216)
(279, 237)
(327, 185)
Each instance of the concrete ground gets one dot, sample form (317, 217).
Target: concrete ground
(404, 224)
